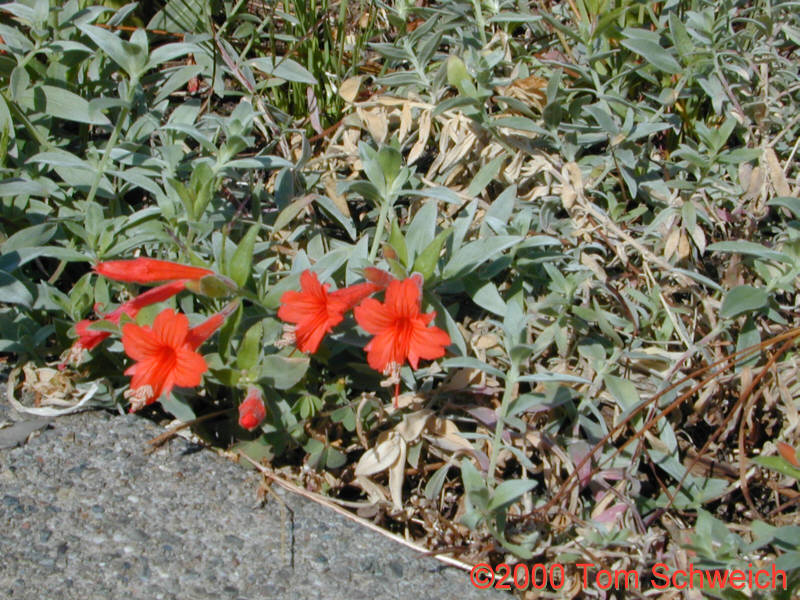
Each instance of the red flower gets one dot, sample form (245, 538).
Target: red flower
(401, 331)
(165, 356)
(315, 311)
(252, 411)
(200, 333)
(148, 270)
(88, 339)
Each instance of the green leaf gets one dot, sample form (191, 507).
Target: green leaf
(30, 237)
(487, 296)
(777, 463)
(422, 229)
(457, 74)
(250, 347)
(131, 56)
(373, 171)
(507, 492)
(748, 336)
(549, 377)
(751, 248)
(169, 52)
(434, 486)
(242, 259)
(291, 211)
(654, 54)
(181, 16)
(285, 68)
(427, 259)
(12, 291)
(624, 392)
(398, 243)
(788, 202)
(283, 372)
(179, 408)
(63, 104)
(470, 362)
(475, 253)
(60, 158)
(390, 161)
(475, 485)
(485, 175)
(680, 36)
(518, 123)
(742, 299)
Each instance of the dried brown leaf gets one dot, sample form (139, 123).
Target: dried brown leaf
(349, 88)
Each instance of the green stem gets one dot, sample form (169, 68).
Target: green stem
(508, 396)
(480, 22)
(112, 141)
(379, 229)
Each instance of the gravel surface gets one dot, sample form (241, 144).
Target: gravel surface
(86, 514)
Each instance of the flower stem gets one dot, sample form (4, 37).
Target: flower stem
(112, 141)
(379, 229)
(508, 396)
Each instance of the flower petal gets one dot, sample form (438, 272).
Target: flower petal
(189, 367)
(252, 411)
(352, 295)
(171, 328)
(382, 351)
(152, 372)
(139, 342)
(299, 306)
(426, 342)
(148, 270)
(309, 333)
(88, 338)
(157, 294)
(372, 316)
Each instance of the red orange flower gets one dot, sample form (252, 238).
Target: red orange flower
(88, 339)
(148, 270)
(165, 356)
(315, 311)
(401, 331)
(252, 411)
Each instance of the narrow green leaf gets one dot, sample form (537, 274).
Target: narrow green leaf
(776, 463)
(654, 54)
(131, 56)
(12, 291)
(476, 253)
(509, 491)
(283, 68)
(752, 249)
(486, 296)
(748, 337)
(63, 104)
(485, 175)
(425, 263)
(469, 362)
(242, 259)
(742, 299)
(623, 391)
(398, 243)
(249, 350)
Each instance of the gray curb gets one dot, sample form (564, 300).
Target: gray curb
(85, 514)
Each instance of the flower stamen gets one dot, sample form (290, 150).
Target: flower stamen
(138, 397)
(289, 338)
